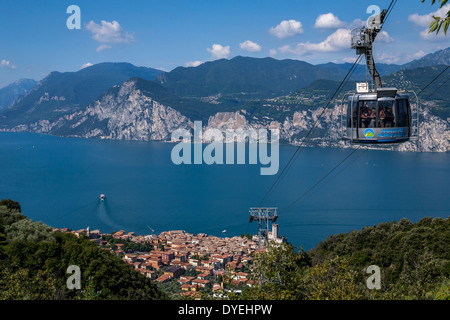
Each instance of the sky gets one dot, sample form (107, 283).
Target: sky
(164, 34)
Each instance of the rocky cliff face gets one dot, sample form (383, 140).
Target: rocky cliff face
(127, 113)
(434, 132)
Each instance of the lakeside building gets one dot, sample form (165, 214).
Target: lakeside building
(206, 258)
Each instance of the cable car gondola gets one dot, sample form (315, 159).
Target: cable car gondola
(377, 115)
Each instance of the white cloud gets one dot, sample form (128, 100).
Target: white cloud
(87, 64)
(384, 37)
(432, 36)
(285, 49)
(287, 28)
(349, 59)
(250, 46)
(357, 23)
(425, 20)
(103, 47)
(328, 21)
(387, 58)
(417, 55)
(272, 52)
(193, 63)
(421, 21)
(108, 32)
(338, 40)
(219, 52)
(7, 64)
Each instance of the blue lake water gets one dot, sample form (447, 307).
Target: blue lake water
(58, 181)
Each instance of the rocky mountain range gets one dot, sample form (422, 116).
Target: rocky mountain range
(63, 93)
(10, 94)
(441, 57)
(245, 93)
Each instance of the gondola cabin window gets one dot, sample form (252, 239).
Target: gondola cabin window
(379, 114)
(402, 113)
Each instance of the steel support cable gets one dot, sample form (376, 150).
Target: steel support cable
(343, 169)
(323, 178)
(431, 94)
(293, 157)
(429, 84)
(390, 8)
(337, 94)
(296, 153)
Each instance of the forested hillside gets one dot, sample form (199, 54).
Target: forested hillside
(34, 260)
(414, 260)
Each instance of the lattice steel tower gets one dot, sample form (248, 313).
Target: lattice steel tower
(264, 216)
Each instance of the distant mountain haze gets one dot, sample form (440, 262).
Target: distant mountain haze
(122, 101)
(255, 77)
(11, 93)
(61, 93)
(441, 57)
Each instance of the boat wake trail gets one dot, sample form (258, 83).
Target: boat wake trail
(103, 213)
(77, 212)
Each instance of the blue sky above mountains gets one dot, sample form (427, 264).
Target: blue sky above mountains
(34, 38)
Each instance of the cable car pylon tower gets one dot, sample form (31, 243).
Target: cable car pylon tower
(362, 41)
(263, 215)
(374, 114)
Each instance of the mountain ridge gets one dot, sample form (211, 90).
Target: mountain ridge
(228, 97)
(64, 92)
(14, 91)
(441, 57)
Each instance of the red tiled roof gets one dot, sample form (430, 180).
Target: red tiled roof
(163, 278)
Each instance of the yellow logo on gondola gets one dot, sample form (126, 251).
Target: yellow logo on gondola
(369, 133)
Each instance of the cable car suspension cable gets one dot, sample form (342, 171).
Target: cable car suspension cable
(323, 178)
(291, 160)
(441, 73)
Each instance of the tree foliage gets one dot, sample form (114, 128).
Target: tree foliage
(279, 270)
(9, 215)
(333, 280)
(10, 204)
(34, 260)
(414, 259)
(21, 284)
(128, 245)
(439, 22)
(27, 230)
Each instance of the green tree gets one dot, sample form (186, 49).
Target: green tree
(171, 288)
(34, 260)
(27, 230)
(440, 22)
(9, 215)
(333, 280)
(21, 284)
(10, 204)
(423, 278)
(279, 270)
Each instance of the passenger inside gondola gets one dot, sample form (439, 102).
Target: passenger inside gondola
(355, 118)
(363, 115)
(389, 118)
(373, 118)
(382, 118)
(368, 114)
